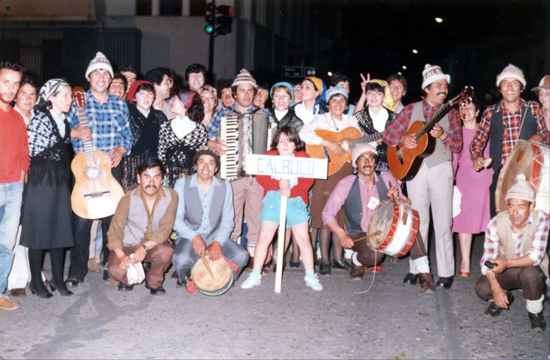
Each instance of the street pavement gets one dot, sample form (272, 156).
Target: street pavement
(390, 321)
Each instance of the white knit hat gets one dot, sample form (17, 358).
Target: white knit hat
(360, 149)
(99, 62)
(244, 77)
(521, 190)
(433, 73)
(511, 71)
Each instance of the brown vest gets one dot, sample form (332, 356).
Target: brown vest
(506, 249)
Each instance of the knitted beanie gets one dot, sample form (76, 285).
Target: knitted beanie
(336, 90)
(99, 62)
(244, 77)
(207, 150)
(433, 73)
(285, 84)
(511, 71)
(360, 149)
(521, 190)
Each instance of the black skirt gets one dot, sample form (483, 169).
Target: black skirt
(47, 217)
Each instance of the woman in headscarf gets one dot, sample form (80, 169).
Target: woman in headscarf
(47, 218)
(282, 97)
(313, 89)
(335, 120)
(145, 123)
(181, 137)
(376, 116)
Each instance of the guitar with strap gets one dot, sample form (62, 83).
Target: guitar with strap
(96, 192)
(403, 162)
(348, 137)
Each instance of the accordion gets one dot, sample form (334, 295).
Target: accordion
(244, 134)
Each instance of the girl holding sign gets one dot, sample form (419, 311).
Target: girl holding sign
(286, 142)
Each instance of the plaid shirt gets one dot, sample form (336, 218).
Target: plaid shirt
(394, 132)
(538, 245)
(214, 127)
(512, 123)
(109, 123)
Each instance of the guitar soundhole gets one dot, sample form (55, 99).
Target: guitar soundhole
(91, 172)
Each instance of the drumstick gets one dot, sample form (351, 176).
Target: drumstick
(378, 232)
(208, 266)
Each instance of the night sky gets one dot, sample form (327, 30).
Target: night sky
(475, 41)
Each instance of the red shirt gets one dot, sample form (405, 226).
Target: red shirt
(301, 189)
(14, 146)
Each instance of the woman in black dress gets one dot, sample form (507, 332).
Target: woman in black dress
(47, 218)
(145, 123)
(181, 137)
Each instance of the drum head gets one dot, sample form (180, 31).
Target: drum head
(222, 281)
(380, 222)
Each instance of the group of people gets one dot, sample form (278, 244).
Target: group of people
(164, 148)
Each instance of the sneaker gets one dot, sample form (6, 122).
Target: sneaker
(7, 304)
(251, 281)
(313, 282)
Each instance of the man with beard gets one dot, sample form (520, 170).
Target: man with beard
(14, 164)
(433, 184)
(142, 223)
(359, 195)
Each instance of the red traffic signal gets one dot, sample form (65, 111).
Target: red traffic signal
(225, 10)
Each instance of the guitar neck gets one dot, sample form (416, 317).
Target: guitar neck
(366, 139)
(434, 120)
(88, 146)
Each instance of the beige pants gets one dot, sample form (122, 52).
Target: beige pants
(247, 200)
(434, 187)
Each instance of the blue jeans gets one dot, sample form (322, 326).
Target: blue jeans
(11, 196)
(184, 257)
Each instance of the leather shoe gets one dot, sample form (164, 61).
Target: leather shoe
(410, 279)
(341, 264)
(445, 282)
(537, 320)
(426, 283)
(293, 264)
(7, 304)
(324, 268)
(156, 291)
(18, 292)
(43, 294)
(357, 271)
(63, 291)
(174, 275)
(122, 287)
(73, 282)
(494, 310)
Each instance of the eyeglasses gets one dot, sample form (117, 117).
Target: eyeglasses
(370, 158)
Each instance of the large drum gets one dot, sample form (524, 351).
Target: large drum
(392, 228)
(222, 281)
(531, 159)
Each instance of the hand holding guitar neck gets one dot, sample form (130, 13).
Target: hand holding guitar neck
(82, 132)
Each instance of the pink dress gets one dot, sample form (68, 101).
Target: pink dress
(474, 186)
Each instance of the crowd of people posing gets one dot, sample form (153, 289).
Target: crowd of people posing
(164, 149)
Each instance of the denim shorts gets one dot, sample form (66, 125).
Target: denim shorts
(296, 211)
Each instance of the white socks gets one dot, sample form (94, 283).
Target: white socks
(534, 306)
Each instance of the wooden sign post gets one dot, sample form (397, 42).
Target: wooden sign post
(285, 166)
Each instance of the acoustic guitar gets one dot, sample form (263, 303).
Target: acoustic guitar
(404, 163)
(349, 137)
(96, 193)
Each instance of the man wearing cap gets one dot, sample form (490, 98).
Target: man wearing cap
(433, 184)
(543, 92)
(247, 193)
(505, 123)
(359, 195)
(142, 223)
(109, 130)
(205, 217)
(515, 250)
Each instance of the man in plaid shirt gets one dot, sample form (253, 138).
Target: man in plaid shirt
(109, 129)
(505, 123)
(515, 250)
(433, 185)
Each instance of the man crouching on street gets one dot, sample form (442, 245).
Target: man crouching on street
(142, 223)
(515, 252)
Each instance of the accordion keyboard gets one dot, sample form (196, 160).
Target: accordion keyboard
(230, 168)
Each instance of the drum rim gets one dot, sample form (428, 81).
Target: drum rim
(221, 290)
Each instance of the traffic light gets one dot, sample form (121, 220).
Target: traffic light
(224, 21)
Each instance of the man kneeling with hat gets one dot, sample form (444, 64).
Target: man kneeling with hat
(142, 223)
(205, 217)
(359, 195)
(515, 249)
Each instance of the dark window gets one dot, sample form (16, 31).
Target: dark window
(10, 50)
(170, 7)
(144, 7)
(197, 8)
